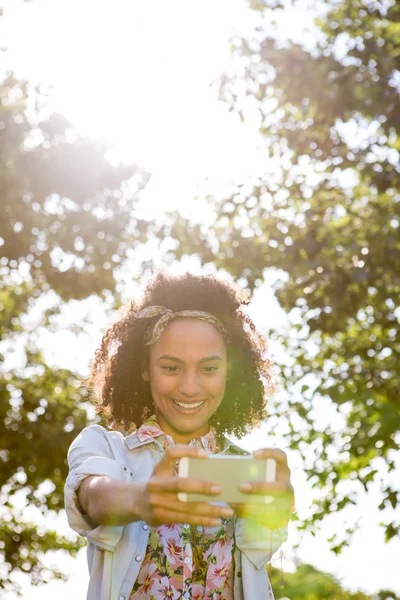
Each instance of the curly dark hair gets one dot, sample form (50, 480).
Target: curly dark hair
(123, 398)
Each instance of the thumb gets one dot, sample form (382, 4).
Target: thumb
(167, 464)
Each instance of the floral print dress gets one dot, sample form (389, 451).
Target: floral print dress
(168, 569)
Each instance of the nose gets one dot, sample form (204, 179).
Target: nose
(189, 385)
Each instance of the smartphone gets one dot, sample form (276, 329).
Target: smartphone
(228, 472)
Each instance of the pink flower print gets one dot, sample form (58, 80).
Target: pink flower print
(208, 441)
(223, 543)
(171, 529)
(197, 591)
(222, 550)
(174, 552)
(217, 575)
(147, 578)
(148, 431)
(167, 590)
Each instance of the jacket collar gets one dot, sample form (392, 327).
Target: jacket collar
(231, 448)
(132, 441)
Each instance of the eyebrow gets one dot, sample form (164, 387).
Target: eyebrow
(179, 360)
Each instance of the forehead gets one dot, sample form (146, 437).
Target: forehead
(187, 338)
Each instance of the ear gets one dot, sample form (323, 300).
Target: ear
(145, 376)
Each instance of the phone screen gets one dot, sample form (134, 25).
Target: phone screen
(228, 472)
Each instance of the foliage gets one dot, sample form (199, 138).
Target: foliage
(66, 220)
(63, 215)
(308, 583)
(326, 216)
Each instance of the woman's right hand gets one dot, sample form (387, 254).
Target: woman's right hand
(158, 503)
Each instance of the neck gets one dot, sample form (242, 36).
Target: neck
(185, 438)
(181, 437)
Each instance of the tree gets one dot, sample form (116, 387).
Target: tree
(308, 583)
(326, 216)
(67, 221)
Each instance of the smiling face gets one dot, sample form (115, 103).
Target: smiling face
(188, 366)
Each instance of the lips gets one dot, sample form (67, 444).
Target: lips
(188, 405)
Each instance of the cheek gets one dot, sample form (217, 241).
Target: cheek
(160, 383)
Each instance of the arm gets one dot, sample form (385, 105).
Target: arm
(98, 494)
(109, 501)
(90, 458)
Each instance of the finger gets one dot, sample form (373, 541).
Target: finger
(174, 453)
(276, 488)
(276, 453)
(282, 467)
(204, 509)
(165, 517)
(183, 484)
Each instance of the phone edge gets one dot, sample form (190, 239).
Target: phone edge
(183, 471)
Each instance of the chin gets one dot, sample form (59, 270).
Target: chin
(188, 427)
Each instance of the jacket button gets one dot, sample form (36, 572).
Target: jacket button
(138, 558)
(239, 573)
(145, 527)
(187, 560)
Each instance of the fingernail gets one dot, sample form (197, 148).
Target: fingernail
(227, 512)
(245, 487)
(216, 489)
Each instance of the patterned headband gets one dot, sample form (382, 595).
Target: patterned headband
(166, 316)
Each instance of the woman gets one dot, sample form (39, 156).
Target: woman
(178, 370)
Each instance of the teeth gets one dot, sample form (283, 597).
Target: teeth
(189, 405)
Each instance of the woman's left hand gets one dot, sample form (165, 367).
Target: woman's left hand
(276, 513)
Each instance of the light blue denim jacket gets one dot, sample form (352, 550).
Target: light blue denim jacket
(115, 553)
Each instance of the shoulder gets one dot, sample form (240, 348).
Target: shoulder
(98, 431)
(97, 438)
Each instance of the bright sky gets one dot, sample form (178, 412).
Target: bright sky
(137, 73)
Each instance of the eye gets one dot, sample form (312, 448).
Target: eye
(170, 368)
(211, 369)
